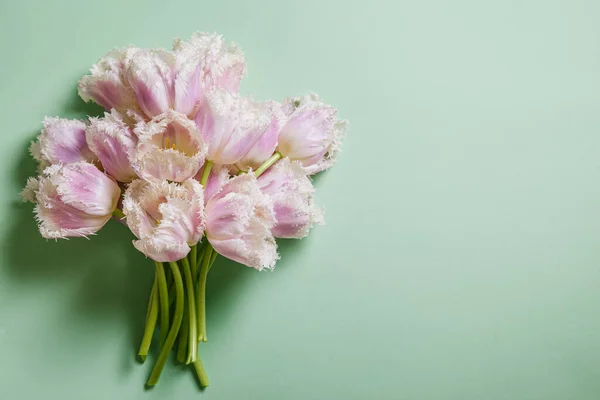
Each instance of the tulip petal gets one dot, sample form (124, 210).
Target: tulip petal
(114, 143)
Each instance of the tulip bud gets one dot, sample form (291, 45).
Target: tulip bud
(107, 84)
(239, 219)
(150, 74)
(61, 141)
(113, 141)
(312, 134)
(291, 192)
(72, 200)
(232, 125)
(264, 147)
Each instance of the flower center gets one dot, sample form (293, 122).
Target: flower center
(168, 144)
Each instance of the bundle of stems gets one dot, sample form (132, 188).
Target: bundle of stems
(178, 303)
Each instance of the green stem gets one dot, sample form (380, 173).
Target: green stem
(207, 167)
(192, 343)
(272, 160)
(212, 259)
(163, 296)
(183, 338)
(201, 294)
(201, 373)
(151, 317)
(200, 258)
(177, 317)
(118, 213)
(193, 262)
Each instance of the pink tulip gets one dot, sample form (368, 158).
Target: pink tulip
(264, 147)
(113, 141)
(61, 141)
(221, 65)
(151, 76)
(231, 125)
(107, 85)
(166, 217)
(169, 147)
(291, 192)
(239, 219)
(312, 134)
(72, 200)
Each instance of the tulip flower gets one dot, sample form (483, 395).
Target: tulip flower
(239, 219)
(264, 147)
(166, 217)
(169, 147)
(291, 192)
(107, 85)
(312, 133)
(222, 65)
(232, 125)
(72, 200)
(113, 141)
(61, 141)
(151, 76)
(203, 63)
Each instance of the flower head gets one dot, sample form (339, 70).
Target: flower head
(203, 63)
(61, 141)
(264, 147)
(166, 217)
(150, 74)
(231, 125)
(312, 134)
(113, 141)
(169, 147)
(239, 219)
(291, 192)
(108, 85)
(72, 200)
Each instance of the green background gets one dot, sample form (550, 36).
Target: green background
(460, 259)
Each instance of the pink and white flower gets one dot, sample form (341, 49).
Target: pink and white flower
(113, 141)
(72, 200)
(312, 134)
(169, 147)
(291, 192)
(231, 125)
(150, 74)
(61, 141)
(108, 85)
(239, 219)
(207, 58)
(264, 147)
(166, 217)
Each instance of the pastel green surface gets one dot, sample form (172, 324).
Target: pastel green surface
(460, 259)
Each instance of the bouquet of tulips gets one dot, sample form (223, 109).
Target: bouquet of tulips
(190, 166)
